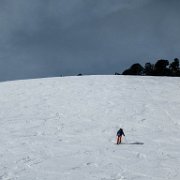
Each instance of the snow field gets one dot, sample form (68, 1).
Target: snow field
(65, 128)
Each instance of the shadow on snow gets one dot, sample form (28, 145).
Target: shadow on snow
(133, 143)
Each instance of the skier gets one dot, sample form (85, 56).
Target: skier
(119, 135)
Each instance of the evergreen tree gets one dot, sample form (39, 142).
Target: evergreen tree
(160, 68)
(148, 69)
(174, 67)
(135, 69)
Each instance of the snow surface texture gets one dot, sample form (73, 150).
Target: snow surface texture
(65, 128)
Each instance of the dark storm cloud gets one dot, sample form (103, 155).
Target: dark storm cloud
(40, 38)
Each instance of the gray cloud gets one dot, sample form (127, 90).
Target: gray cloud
(41, 38)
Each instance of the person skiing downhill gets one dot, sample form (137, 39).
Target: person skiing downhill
(119, 135)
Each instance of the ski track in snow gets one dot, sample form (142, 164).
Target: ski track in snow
(65, 128)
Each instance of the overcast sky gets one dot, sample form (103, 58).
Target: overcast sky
(45, 38)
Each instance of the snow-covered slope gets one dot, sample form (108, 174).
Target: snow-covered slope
(65, 128)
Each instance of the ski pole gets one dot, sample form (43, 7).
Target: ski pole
(125, 139)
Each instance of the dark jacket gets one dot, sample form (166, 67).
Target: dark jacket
(120, 132)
